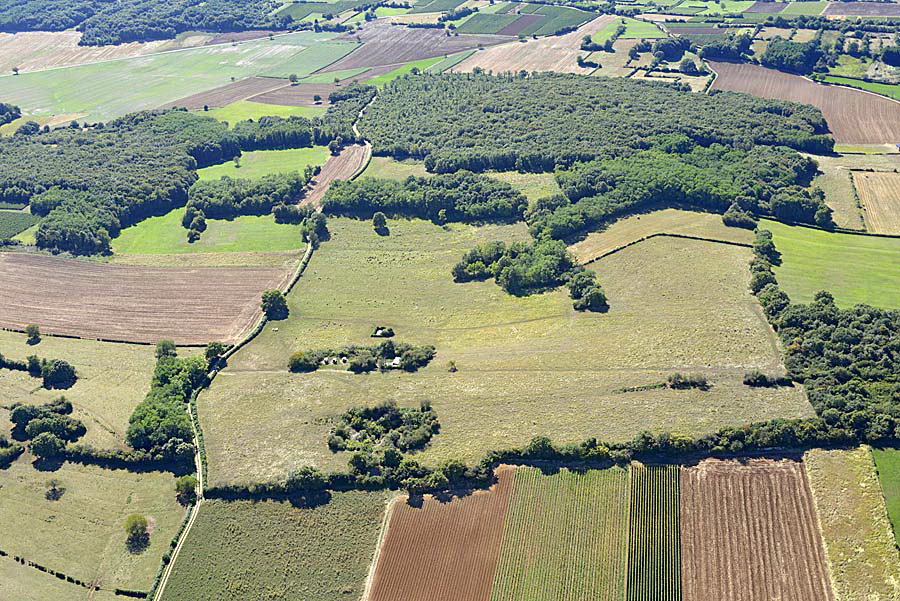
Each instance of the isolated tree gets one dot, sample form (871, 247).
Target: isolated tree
(15, 70)
(135, 526)
(54, 490)
(206, 107)
(57, 373)
(47, 446)
(317, 99)
(237, 162)
(687, 66)
(166, 348)
(274, 305)
(293, 77)
(186, 489)
(379, 221)
(34, 333)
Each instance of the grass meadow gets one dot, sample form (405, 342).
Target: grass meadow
(888, 463)
(421, 65)
(273, 551)
(885, 89)
(527, 366)
(29, 584)
(855, 269)
(82, 533)
(244, 109)
(804, 8)
(264, 162)
(859, 542)
(246, 233)
(634, 29)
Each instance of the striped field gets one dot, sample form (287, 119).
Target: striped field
(654, 553)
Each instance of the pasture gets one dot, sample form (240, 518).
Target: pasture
(112, 380)
(243, 110)
(96, 89)
(138, 304)
(24, 583)
(749, 531)
(81, 534)
(443, 549)
(880, 197)
(565, 537)
(805, 8)
(859, 542)
(634, 30)
(885, 89)
(887, 461)
(15, 222)
(164, 235)
(420, 65)
(673, 308)
(855, 269)
(258, 163)
(279, 550)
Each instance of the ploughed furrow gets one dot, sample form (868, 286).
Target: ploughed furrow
(565, 537)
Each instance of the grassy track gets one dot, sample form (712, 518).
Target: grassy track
(888, 463)
(14, 222)
(244, 109)
(263, 162)
(855, 269)
(654, 553)
(247, 233)
(565, 537)
(274, 551)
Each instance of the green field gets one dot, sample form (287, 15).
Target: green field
(673, 308)
(247, 233)
(24, 583)
(273, 551)
(654, 553)
(855, 269)
(15, 222)
(82, 533)
(244, 109)
(434, 6)
(451, 61)
(565, 537)
(407, 68)
(888, 463)
(486, 23)
(727, 7)
(804, 8)
(264, 162)
(634, 29)
(558, 17)
(885, 89)
(110, 89)
(381, 11)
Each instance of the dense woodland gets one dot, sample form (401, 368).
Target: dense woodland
(538, 122)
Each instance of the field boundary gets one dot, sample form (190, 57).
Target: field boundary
(370, 576)
(667, 235)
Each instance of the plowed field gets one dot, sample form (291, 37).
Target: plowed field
(351, 160)
(139, 304)
(862, 9)
(233, 92)
(749, 533)
(443, 550)
(880, 195)
(854, 117)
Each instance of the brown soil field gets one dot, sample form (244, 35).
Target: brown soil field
(232, 92)
(662, 18)
(386, 44)
(880, 196)
(550, 53)
(351, 160)
(749, 532)
(854, 117)
(519, 24)
(443, 550)
(304, 94)
(766, 8)
(136, 304)
(862, 9)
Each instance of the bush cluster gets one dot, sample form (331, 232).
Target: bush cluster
(384, 426)
(364, 359)
(54, 373)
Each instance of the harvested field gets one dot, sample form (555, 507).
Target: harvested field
(766, 8)
(233, 92)
(854, 117)
(750, 533)
(565, 537)
(654, 551)
(859, 541)
(304, 94)
(443, 550)
(349, 162)
(879, 194)
(386, 44)
(627, 231)
(553, 53)
(140, 304)
(521, 23)
(862, 9)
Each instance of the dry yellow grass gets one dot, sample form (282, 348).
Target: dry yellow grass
(880, 197)
(696, 82)
(667, 221)
(859, 544)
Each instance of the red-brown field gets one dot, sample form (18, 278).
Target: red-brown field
(137, 304)
(233, 92)
(749, 533)
(766, 8)
(304, 94)
(443, 551)
(854, 117)
(862, 9)
(521, 23)
(385, 44)
(351, 160)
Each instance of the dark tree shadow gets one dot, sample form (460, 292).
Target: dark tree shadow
(138, 544)
(55, 493)
(383, 231)
(310, 499)
(48, 464)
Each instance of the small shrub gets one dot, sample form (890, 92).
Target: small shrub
(301, 362)
(681, 381)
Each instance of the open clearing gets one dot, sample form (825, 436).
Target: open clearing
(138, 304)
(880, 195)
(243, 110)
(565, 537)
(859, 542)
(265, 162)
(888, 463)
(854, 268)
(854, 117)
(667, 221)
(161, 79)
(749, 533)
(676, 305)
(654, 550)
(112, 379)
(552, 53)
(275, 551)
(442, 549)
(82, 533)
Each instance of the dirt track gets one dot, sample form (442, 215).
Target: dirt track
(854, 117)
(443, 551)
(749, 533)
(137, 304)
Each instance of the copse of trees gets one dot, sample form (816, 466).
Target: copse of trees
(54, 373)
(384, 426)
(29, 421)
(535, 123)
(461, 196)
(729, 46)
(364, 359)
(227, 197)
(796, 57)
(8, 113)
